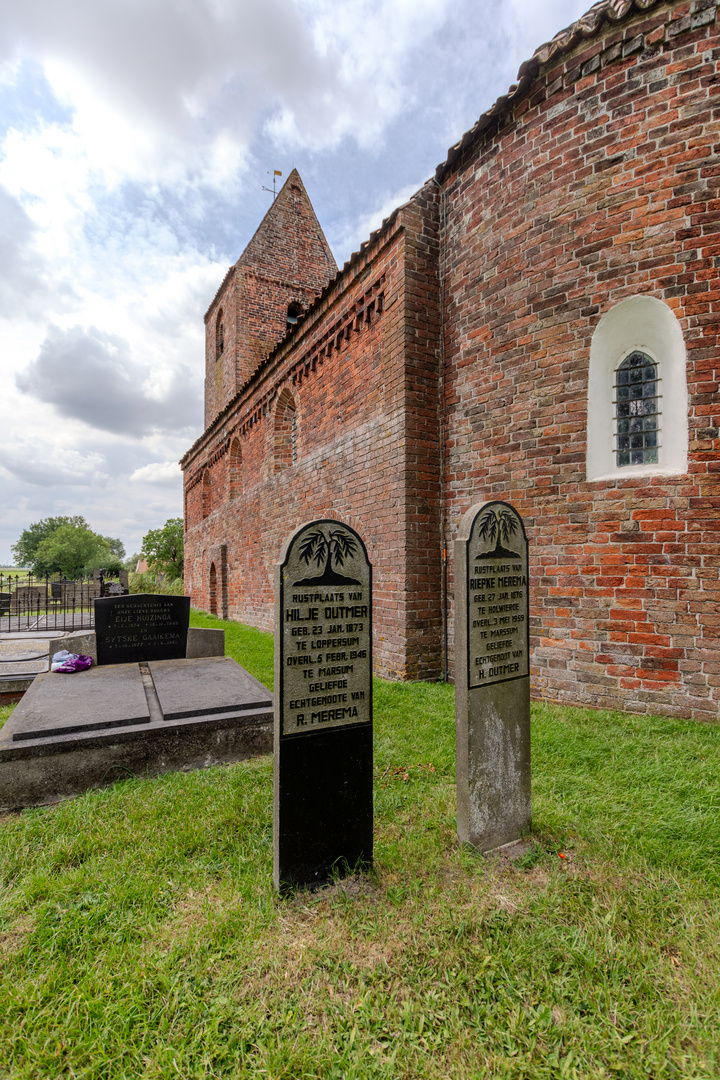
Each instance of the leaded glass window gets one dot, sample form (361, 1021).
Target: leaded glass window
(637, 410)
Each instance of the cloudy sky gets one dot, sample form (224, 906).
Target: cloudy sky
(135, 140)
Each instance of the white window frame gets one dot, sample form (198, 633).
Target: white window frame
(646, 324)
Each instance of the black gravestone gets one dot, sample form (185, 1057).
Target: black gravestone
(323, 753)
(144, 626)
(492, 685)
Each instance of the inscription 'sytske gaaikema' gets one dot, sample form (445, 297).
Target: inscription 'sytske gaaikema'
(326, 632)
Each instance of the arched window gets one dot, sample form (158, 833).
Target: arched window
(637, 410)
(219, 335)
(206, 494)
(285, 433)
(235, 468)
(212, 598)
(637, 418)
(294, 312)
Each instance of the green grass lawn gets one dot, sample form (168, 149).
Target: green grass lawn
(140, 935)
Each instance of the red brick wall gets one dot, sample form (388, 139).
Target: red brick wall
(287, 261)
(220, 370)
(601, 183)
(362, 374)
(598, 182)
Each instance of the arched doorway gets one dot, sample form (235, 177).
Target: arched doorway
(213, 590)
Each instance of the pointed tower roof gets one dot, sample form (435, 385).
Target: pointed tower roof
(289, 239)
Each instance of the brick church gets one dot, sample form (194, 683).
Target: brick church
(538, 324)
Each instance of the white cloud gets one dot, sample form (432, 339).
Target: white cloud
(157, 472)
(136, 139)
(173, 94)
(90, 375)
(23, 268)
(35, 464)
(361, 227)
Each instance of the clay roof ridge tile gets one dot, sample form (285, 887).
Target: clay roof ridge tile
(220, 289)
(585, 27)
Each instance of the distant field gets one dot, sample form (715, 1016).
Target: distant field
(140, 936)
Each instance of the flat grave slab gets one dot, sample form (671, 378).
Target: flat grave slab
(22, 655)
(92, 700)
(212, 685)
(74, 732)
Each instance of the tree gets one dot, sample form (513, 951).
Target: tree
(320, 547)
(163, 549)
(498, 525)
(103, 559)
(116, 546)
(73, 551)
(31, 538)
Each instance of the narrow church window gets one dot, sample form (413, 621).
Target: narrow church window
(294, 312)
(235, 469)
(637, 410)
(206, 494)
(213, 590)
(285, 432)
(219, 335)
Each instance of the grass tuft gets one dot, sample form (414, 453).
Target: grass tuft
(5, 711)
(140, 936)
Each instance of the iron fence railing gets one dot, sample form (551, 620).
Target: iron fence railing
(29, 602)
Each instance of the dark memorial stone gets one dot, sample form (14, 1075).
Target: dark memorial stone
(145, 626)
(323, 751)
(492, 687)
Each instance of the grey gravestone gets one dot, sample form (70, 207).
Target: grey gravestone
(492, 685)
(145, 626)
(323, 751)
(204, 641)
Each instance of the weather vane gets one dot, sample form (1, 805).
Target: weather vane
(276, 173)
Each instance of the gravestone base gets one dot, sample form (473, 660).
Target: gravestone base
(327, 780)
(74, 732)
(493, 769)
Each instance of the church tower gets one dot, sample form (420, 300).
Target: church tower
(284, 267)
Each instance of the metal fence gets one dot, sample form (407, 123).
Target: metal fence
(29, 602)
